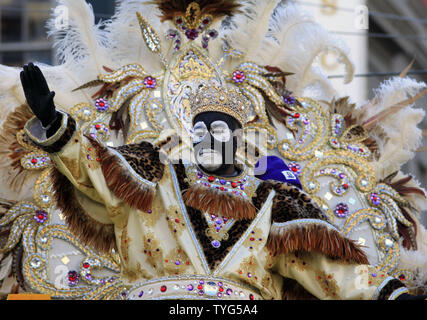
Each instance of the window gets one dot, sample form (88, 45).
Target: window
(23, 33)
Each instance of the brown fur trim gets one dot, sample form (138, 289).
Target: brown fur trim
(314, 238)
(88, 230)
(121, 182)
(292, 290)
(216, 8)
(64, 139)
(214, 201)
(11, 152)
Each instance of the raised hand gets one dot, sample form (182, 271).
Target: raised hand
(38, 95)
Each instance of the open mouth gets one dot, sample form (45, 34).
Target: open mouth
(209, 157)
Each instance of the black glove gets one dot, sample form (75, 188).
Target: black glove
(38, 95)
(406, 296)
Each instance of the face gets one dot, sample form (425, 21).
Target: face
(214, 141)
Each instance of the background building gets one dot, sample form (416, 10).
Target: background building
(384, 39)
(23, 29)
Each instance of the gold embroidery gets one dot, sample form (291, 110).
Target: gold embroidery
(247, 270)
(134, 275)
(267, 283)
(125, 240)
(370, 276)
(151, 217)
(176, 220)
(90, 156)
(271, 259)
(328, 284)
(298, 263)
(151, 249)
(254, 239)
(176, 262)
(117, 215)
(72, 165)
(114, 211)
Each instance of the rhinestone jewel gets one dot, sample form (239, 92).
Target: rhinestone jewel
(295, 168)
(211, 289)
(375, 199)
(216, 244)
(388, 243)
(35, 263)
(45, 199)
(40, 216)
(150, 82)
(288, 100)
(102, 104)
(378, 220)
(239, 76)
(192, 34)
(341, 210)
(73, 278)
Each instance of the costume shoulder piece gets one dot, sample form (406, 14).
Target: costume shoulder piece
(298, 224)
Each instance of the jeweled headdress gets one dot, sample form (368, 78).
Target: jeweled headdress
(219, 99)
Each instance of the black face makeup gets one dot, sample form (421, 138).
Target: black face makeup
(215, 143)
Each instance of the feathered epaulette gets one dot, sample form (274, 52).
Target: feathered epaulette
(131, 172)
(215, 8)
(298, 224)
(215, 201)
(91, 232)
(404, 188)
(11, 150)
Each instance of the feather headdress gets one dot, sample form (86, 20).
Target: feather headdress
(215, 8)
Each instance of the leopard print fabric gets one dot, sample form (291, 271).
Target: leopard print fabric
(290, 203)
(213, 256)
(144, 159)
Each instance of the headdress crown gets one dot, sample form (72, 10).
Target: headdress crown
(219, 99)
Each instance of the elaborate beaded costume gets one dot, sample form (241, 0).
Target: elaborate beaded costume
(92, 212)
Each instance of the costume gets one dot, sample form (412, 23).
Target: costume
(109, 220)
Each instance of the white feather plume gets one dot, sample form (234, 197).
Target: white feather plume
(295, 40)
(5, 267)
(248, 29)
(11, 93)
(81, 44)
(398, 136)
(124, 34)
(416, 261)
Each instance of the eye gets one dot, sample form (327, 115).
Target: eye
(199, 132)
(220, 131)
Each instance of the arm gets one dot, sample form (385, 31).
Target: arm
(106, 175)
(329, 279)
(312, 252)
(56, 133)
(90, 180)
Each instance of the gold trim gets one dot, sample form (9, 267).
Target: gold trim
(52, 139)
